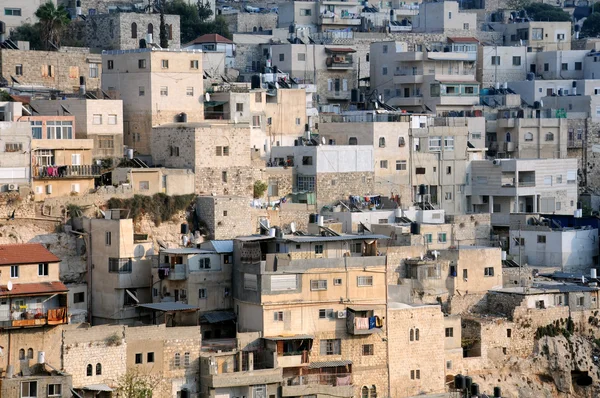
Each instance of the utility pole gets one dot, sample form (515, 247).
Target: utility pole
(520, 262)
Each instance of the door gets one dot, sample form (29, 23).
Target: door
(337, 85)
(532, 68)
(548, 91)
(406, 92)
(176, 295)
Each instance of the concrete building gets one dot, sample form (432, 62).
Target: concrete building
(507, 186)
(336, 16)
(15, 13)
(226, 217)
(500, 64)
(540, 245)
(51, 70)
(153, 180)
(289, 288)
(156, 87)
(324, 174)
(39, 380)
(251, 22)
(15, 142)
(126, 30)
(97, 120)
(443, 17)
(435, 77)
(529, 137)
(535, 90)
(214, 43)
(121, 275)
(538, 35)
(219, 154)
(301, 14)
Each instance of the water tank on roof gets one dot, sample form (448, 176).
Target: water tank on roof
(474, 390)
(422, 190)
(459, 382)
(530, 76)
(415, 228)
(255, 82)
(354, 95)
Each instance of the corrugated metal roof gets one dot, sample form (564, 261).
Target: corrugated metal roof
(184, 250)
(222, 246)
(301, 239)
(168, 306)
(329, 364)
(252, 238)
(97, 387)
(26, 253)
(218, 316)
(292, 337)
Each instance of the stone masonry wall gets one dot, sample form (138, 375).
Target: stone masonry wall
(470, 229)
(225, 216)
(335, 186)
(244, 22)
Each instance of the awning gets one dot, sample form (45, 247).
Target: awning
(329, 364)
(33, 289)
(212, 104)
(222, 246)
(97, 387)
(290, 337)
(168, 306)
(339, 50)
(217, 316)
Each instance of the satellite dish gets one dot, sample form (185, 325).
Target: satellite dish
(207, 97)
(293, 227)
(9, 286)
(323, 140)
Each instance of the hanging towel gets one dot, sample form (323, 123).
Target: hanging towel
(378, 322)
(372, 322)
(343, 381)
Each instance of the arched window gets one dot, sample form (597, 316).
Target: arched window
(352, 141)
(21, 354)
(150, 29)
(417, 334)
(507, 137)
(88, 371)
(364, 392)
(98, 369)
(528, 137)
(549, 137)
(254, 29)
(260, 29)
(373, 391)
(382, 142)
(412, 335)
(401, 141)
(30, 353)
(134, 30)
(170, 31)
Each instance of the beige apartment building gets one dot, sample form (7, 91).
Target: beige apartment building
(121, 275)
(15, 146)
(153, 180)
(319, 301)
(97, 120)
(538, 35)
(443, 17)
(156, 87)
(529, 138)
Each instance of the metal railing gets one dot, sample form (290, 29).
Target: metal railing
(66, 171)
(527, 183)
(338, 379)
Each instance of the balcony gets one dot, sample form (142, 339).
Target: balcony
(458, 99)
(408, 76)
(338, 95)
(328, 19)
(176, 272)
(56, 172)
(405, 101)
(334, 385)
(361, 322)
(409, 56)
(334, 63)
(30, 316)
(292, 359)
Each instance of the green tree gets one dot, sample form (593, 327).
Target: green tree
(136, 384)
(204, 10)
(517, 4)
(53, 22)
(189, 19)
(164, 38)
(218, 26)
(547, 12)
(591, 26)
(28, 32)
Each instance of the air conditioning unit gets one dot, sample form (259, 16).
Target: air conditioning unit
(342, 314)
(496, 162)
(13, 187)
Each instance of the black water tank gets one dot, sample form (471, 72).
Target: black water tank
(182, 117)
(474, 390)
(468, 382)
(415, 228)
(255, 82)
(422, 189)
(184, 393)
(184, 228)
(142, 43)
(312, 218)
(278, 233)
(497, 392)
(459, 382)
(81, 81)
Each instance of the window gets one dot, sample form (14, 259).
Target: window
(516, 61)
(205, 262)
(435, 143)
(448, 195)
(318, 284)
(177, 360)
(78, 297)
(428, 238)
(564, 66)
(549, 137)
(30, 353)
(385, 48)
(174, 150)
(14, 271)
(330, 347)
(305, 12)
(337, 281)
(43, 269)
(381, 142)
(138, 358)
(13, 12)
(495, 60)
(383, 164)
(441, 237)
(449, 332)
(141, 91)
(400, 165)
(449, 143)
(89, 371)
(528, 137)
(224, 176)
(578, 66)
(278, 316)
(97, 119)
(164, 64)
(141, 63)
(384, 70)
(465, 26)
(537, 34)
(202, 294)
(164, 91)
(36, 130)
(415, 374)
(186, 359)
(352, 141)
(449, 14)
(509, 333)
(19, 70)
(401, 142)
(559, 179)
(301, 57)
(364, 281)
(108, 238)
(93, 71)
(54, 390)
(448, 365)
(318, 249)
(488, 271)
(412, 335)
(98, 369)
(546, 68)
(571, 177)
(239, 107)
(112, 119)
(144, 185)
(150, 357)
(194, 64)
(13, 147)
(28, 389)
(580, 301)
(541, 239)
(420, 170)
(326, 314)
(119, 265)
(110, 64)
(367, 349)
(281, 57)
(547, 180)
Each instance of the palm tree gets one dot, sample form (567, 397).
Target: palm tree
(53, 22)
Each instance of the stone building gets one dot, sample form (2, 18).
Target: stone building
(249, 22)
(97, 120)
(54, 70)
(539, 35)
(125, 30)
(153, 180)
(226, 217)
(444, 16)
(15, 144)
(156, 87)
(218, 153)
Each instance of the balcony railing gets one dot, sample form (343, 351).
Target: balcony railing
(177, 272)
(44, 172)
(28, 317)
(338, 379)
(527, 183)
